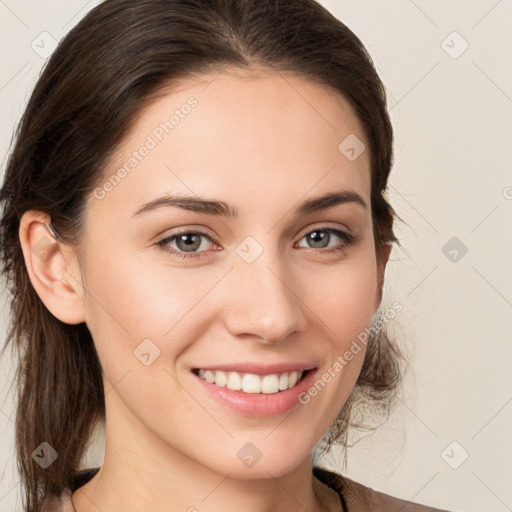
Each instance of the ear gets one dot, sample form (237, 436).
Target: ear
(52, 268)
(382, 260)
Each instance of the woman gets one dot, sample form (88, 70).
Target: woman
(196, 234)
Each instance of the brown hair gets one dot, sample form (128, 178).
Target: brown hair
(120, 55)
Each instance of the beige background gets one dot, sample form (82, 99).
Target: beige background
(452, 113)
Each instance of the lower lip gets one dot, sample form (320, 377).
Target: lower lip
(258, 404)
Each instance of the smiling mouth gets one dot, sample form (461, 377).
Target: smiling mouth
(250, 382)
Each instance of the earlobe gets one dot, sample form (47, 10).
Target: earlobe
(50, 265)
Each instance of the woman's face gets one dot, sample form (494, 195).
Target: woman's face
(262, 282)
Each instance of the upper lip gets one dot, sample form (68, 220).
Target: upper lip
(258, 368)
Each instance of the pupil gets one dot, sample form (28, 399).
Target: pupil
(189, 243)
(316, 237)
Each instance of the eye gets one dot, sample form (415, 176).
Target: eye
(320, 240)
(187, 243)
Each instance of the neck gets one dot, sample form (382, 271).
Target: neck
(148, 474)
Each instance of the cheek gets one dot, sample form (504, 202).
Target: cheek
(138, 319)
(137, 299)
(343, 297)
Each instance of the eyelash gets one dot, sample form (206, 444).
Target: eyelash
(348, 238)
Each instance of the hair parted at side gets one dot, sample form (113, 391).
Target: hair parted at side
(119, 57)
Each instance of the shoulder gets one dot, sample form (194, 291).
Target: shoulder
(360, 498)
(375, 500)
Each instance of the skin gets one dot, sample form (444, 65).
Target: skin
(260, 143)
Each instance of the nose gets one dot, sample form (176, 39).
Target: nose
(261, 302)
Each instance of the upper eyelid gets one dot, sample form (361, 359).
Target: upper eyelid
(206, 232)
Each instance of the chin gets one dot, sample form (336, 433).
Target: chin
(258, 459)
(263, 469)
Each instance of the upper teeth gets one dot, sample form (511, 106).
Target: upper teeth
(250, 382)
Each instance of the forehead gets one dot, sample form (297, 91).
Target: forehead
(270, 137)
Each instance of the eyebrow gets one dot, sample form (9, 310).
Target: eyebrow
(220, 208)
